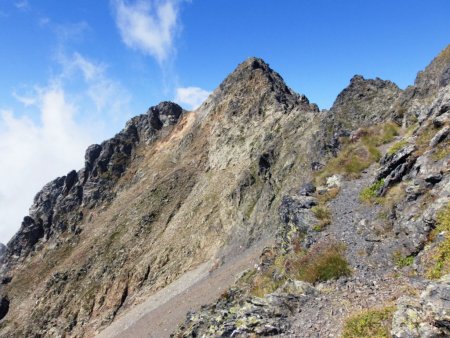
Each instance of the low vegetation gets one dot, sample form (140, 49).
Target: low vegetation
(440, 256)
(441, 151)
(403, 261)
(323, 216)
(397, 146)
(369, 194)
(322, 262)
(369, 323)
(358, 154)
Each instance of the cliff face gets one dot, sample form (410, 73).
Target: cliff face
(257, 161)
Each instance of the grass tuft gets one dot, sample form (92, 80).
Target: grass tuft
(323, 261)
(323, 215)
(369, 194)
(440, 258)
(402, 261)
(369, 323)
(397, 146)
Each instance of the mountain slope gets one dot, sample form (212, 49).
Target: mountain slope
(172, 190)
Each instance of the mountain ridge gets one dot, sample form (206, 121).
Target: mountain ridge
(176, 189)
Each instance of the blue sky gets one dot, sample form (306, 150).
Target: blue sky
(72, 72)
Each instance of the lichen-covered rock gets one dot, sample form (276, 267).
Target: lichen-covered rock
(426, 316)
(236, 316)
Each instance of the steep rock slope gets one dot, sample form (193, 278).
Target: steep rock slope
(370, 233)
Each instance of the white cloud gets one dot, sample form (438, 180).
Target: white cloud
(35, 151)
(148, 26)
(191, 97)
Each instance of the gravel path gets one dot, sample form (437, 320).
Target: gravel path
(161, 313)
(375, 281)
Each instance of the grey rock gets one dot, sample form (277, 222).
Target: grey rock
(440, 136)
(307, 189)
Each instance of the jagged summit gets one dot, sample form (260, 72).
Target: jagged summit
(365, 100)
(254, 83)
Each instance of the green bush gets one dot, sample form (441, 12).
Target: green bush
(369, 323)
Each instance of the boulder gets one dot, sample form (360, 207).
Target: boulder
(307, 189)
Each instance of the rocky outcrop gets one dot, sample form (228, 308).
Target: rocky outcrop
(235, 315)
(413, 104)
(394, 167)
(425, 316)
(363, 103)
(59, 206)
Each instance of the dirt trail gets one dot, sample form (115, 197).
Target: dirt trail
(159, 315)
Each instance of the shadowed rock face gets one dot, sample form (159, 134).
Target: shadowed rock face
(2, 249)
(4, 307)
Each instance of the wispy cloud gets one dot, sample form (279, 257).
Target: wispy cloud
(191, 97)
(148, 26)
(109, 96)
(23, 5)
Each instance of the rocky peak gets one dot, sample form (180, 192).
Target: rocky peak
(164, 114)
(365, 100)
(362, 103)
(253, 83)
